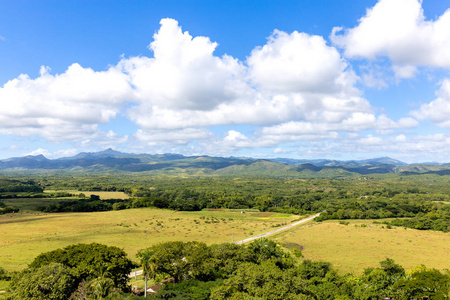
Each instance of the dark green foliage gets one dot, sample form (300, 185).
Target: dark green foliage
(424, 283)
(262, 270)
(51, 281)
(188, 289)
(6, 209)
(4, 275)
(309, 269)
(177, 259)
(16, 186)
(87, 259)
(263, 281)
(85, 205)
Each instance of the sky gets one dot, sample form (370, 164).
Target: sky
(302, 79)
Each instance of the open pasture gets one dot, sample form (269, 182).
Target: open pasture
(352, 247)
(24, 236)
(103, 195)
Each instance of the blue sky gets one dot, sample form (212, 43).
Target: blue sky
(299, 79)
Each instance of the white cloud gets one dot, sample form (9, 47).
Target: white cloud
(62, 106)
(406, 71)
(56, 154)
(437, 110)
(169, 138)
(186, 86)
(184, 73)
(103, 140)
(296, 86)
(302, 63)
(398, 29)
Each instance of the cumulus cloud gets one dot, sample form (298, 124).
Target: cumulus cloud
(438, 110)
(293, 77)
(398, 29)
(296, 86)
(299, 62)
(183, 73)
(62, 106)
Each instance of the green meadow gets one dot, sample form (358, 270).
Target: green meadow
(103, 194)
(363, 243)
(23, 236)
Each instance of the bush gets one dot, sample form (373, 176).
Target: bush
(52, 281)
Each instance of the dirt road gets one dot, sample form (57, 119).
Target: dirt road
(133, 274)
(276, 230)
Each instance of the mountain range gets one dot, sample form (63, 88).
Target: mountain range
(114, 161)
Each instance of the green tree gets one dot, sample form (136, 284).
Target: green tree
(52, 281)
(424, 283)
(149, 266)
(177, 259)
(262, 281)
(84, 258)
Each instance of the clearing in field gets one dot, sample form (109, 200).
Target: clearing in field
(24, 236)
(103, 195)
(362, 244)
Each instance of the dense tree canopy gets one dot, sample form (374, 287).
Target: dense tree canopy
(97, 268)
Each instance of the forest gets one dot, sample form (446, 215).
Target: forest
(419, 201)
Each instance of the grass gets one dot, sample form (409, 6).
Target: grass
(23, 236)
(3, 286)
(103, 195)
(33, 204)
(352, 247)
(139, 282)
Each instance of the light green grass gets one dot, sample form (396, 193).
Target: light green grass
(352, 249)
(103, 195)
(24, 236)
(3, 285)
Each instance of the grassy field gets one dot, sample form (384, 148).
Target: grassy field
(33, 204)
(103, 195)
(24, 236)
(352, 248)
(3, 286)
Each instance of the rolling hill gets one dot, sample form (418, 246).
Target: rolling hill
(115, 161)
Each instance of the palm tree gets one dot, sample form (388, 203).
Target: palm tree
(149, 266)
(103, 284)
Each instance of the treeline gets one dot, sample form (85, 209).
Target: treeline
(420, 198)
(194, 270)
(85, 205)
(13, 188)
(435, 220)
(7, 209)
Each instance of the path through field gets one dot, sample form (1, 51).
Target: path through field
(133, 274)
(276, 230)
